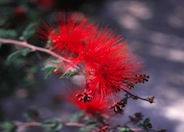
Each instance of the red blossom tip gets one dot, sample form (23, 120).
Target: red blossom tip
(85, 96)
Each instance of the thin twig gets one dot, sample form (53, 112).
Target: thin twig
(74, 124)
(69, 124)
(136, 97)
(36, 48)
(136, 129)
(34, 123)
(28, 124)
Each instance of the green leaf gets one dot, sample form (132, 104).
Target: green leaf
(69, 74)
(8, 33)
(146, 124)
(28, 32)
(56, 60)
(48, 70)
(31, 114)
(125, 100)
(2, 21)
(88, 128)
(8, 127)
(146, 121)
(125, 129)
(53, 125)
(75, 117)
(18, 53)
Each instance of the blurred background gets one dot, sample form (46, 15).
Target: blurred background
(154, 30)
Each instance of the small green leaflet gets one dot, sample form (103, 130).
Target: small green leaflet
(48, 70)
(146, 121)
(2, 21)
(53, 125)
(125, 100)
(69, 74)
(146, 124)
(88, 127)
(8, 127)
(75, 117)
(8, 33)
(125, 129)
(28, 32)
(18, 53)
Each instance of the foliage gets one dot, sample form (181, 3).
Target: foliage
(8, 127)
(13, 56)
(53, 125)
(49, 69)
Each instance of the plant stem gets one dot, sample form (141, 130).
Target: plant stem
(34, 123)
(28, 124)
(135, 96)
(36, 48)
(74, 124)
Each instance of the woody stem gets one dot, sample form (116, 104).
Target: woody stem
(135, 96)
(69, 124)
(34, 123)
(36, 48)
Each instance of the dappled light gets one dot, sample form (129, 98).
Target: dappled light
(129, 22)
(176, 18)
(155, 30)
(167, 53)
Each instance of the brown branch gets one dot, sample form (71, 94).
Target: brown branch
(36, 48)
(135, 97)
(34, 123)
(28, 124)
(133, 129)
(69, 124)
(74, 124)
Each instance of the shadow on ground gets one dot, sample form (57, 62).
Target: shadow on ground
(155, 31)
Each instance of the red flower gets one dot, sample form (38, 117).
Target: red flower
(112, 76)
(94, 106)
(109, 66)
(69, 37)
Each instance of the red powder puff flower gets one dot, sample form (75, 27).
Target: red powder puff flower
(94, 106)
(108, 65)
(69, 37)
(112, 76)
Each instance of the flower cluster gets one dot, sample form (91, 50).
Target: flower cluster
(102, 55)
(95, 106)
